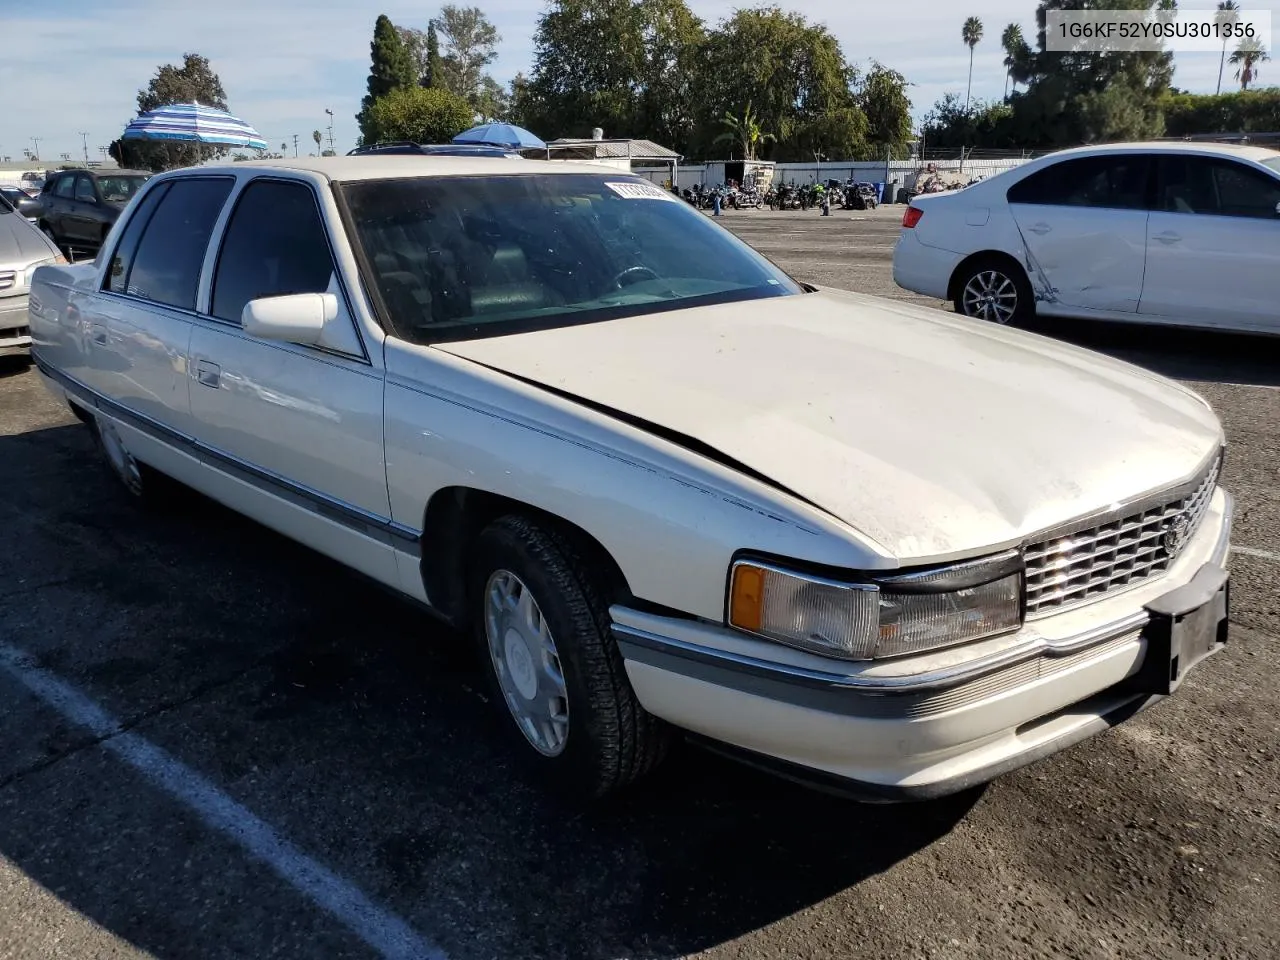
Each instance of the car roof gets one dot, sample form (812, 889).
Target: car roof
(1238, 150)
(393, 166)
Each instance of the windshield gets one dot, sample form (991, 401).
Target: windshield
(5, 205)
(119, 189)
(459, 258)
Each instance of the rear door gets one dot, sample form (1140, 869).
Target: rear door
(137, 329)
(1213, 254)
(297, 429)
(1083, 222)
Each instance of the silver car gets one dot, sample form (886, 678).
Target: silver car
(22, 248)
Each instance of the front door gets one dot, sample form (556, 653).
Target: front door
(301, 425)
(1084, 225)
(1213, 254)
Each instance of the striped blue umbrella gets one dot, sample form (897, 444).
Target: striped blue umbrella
(193, 123)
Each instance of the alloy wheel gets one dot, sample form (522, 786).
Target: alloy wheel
(990, 295)
(526, 663)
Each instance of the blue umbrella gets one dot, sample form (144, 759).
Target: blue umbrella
(193, 123)
(501, 135)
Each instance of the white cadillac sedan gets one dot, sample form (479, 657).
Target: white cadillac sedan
(663, 486)
(1166, 233)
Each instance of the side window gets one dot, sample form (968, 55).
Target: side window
(65, 188)
(84, 189)
(122, 258)
(274, 245)
(1244, 192)
(1116, 181)
(166, 268)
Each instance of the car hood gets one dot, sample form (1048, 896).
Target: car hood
(20, 242)
(934, 436)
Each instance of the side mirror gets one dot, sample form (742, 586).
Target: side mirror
(293, 318)
(1278, 209)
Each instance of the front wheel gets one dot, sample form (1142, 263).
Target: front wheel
(994, 290)
(542, 625)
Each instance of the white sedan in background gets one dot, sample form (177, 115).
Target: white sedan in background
(661, 484)
(1167, 233)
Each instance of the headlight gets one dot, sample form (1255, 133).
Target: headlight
(31, 270)
(882, 617)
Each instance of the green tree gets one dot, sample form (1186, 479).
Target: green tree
(1016, 55)
(391, 68)
(417, 114)
(424, 54)
(1246, 58)
(792, 72)
(745, 132)
(1228, 13)
(1084, 97)
(882, 98)
(628, 66)
(193, 82)
(518, 105)
(316, 136)
(470, 45)
(971, 33)
(434, 75)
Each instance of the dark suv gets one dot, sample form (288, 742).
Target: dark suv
(406, 147)
(80, 206)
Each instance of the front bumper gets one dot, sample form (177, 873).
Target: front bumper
(15, 334)
(936, 724)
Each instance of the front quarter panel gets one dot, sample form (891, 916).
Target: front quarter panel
(671, 520)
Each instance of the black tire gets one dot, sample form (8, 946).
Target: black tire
(999, 274)
(612, 740)
(146, 486)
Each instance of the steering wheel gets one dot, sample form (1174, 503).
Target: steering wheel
(635, 271)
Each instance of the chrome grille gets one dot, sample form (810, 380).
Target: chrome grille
(1123, 551)
(8, 278)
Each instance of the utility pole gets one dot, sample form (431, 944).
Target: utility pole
(330, 113)
(35, 141)
(295, 146)
(85, 138)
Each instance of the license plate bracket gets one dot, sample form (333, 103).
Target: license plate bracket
(1186, 625)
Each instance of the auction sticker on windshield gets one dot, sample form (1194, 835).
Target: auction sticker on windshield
(639, 191)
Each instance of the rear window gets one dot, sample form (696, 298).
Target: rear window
(458, 258)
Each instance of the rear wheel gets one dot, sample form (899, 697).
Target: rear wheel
(144, 484)
(542, 625)
(996, 290)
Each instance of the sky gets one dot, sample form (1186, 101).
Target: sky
(68, 66)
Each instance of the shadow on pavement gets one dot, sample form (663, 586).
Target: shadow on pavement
(1183, 354)
(350, 722)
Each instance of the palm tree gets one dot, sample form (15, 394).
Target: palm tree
(971, 34)
(1248, 55)
(1013, 43)
(744, 131)
(1228, 13)
(315, 135)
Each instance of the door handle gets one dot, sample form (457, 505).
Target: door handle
(208, 373)
(99, 333)
(1167, 237)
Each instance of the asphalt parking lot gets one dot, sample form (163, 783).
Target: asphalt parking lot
(240, 750)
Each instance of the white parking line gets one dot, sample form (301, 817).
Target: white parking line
(1255, 552)
(380, 929)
